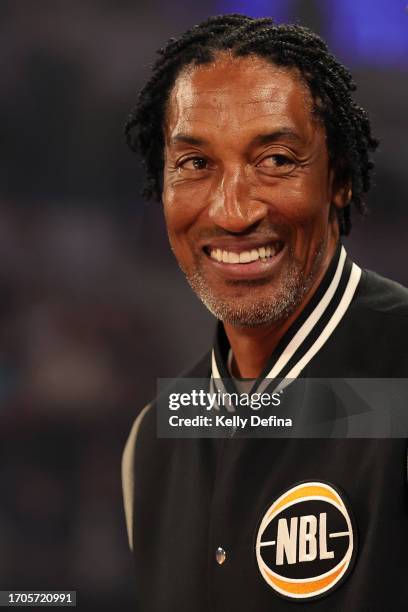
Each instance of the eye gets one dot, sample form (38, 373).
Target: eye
(277, 161)
(194, 163)
(277, 164)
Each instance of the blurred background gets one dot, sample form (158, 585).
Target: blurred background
(93, 308)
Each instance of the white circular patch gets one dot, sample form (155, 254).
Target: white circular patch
(306, 542)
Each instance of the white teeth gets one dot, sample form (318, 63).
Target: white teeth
(245, 256)
(254, 255)
(233, 258)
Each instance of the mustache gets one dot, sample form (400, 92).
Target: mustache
(275, 230)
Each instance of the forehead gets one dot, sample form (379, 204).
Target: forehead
(233, 93)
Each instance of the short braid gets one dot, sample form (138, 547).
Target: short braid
(348, 129)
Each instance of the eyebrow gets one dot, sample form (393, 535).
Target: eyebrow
(285, 132)
(186, 139)
(259, 140)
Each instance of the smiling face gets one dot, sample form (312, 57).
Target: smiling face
(248, 193)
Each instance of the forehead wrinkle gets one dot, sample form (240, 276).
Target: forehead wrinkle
(274, 108)
(274, 105)
(225, 97)
(188, 104)
(187, 94)
(184, 127)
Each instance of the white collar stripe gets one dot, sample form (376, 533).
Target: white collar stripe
(311, 321)
(337, 316)
(216, 382)
(319, 323)
(214, 367)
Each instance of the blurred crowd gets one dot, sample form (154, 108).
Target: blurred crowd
(85, 325)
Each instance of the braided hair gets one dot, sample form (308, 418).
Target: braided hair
(347, 125)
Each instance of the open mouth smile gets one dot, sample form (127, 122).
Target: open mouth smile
(246, 262)
(245, 256)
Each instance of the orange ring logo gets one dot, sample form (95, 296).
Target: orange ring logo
(306, 541)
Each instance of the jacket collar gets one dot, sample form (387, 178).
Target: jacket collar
(306, 336)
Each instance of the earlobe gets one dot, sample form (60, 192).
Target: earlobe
(342, 196)
(341, 192)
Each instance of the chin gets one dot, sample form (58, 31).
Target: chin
(254, 311)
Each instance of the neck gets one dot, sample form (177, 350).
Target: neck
(252, 346)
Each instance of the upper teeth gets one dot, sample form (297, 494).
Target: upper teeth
(243, 256)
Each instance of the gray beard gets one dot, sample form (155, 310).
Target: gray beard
(243, 312)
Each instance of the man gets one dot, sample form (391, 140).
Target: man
(250, 137)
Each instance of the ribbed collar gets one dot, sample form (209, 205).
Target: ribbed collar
(307, 334)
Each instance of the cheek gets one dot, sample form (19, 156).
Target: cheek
(174, 212)
(298, 203)
(179, 217)
(183, 206)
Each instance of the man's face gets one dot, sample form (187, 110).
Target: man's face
(247, 188)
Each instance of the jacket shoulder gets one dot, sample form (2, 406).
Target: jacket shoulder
(382, 295)
(142, 433)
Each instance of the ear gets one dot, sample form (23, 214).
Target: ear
(340, 190)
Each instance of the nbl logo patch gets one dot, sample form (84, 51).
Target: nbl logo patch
(306, 543)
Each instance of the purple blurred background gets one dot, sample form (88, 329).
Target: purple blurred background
(93, 308)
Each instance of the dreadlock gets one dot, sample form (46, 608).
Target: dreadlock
(347, 125)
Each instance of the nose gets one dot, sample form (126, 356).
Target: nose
(232, 204)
